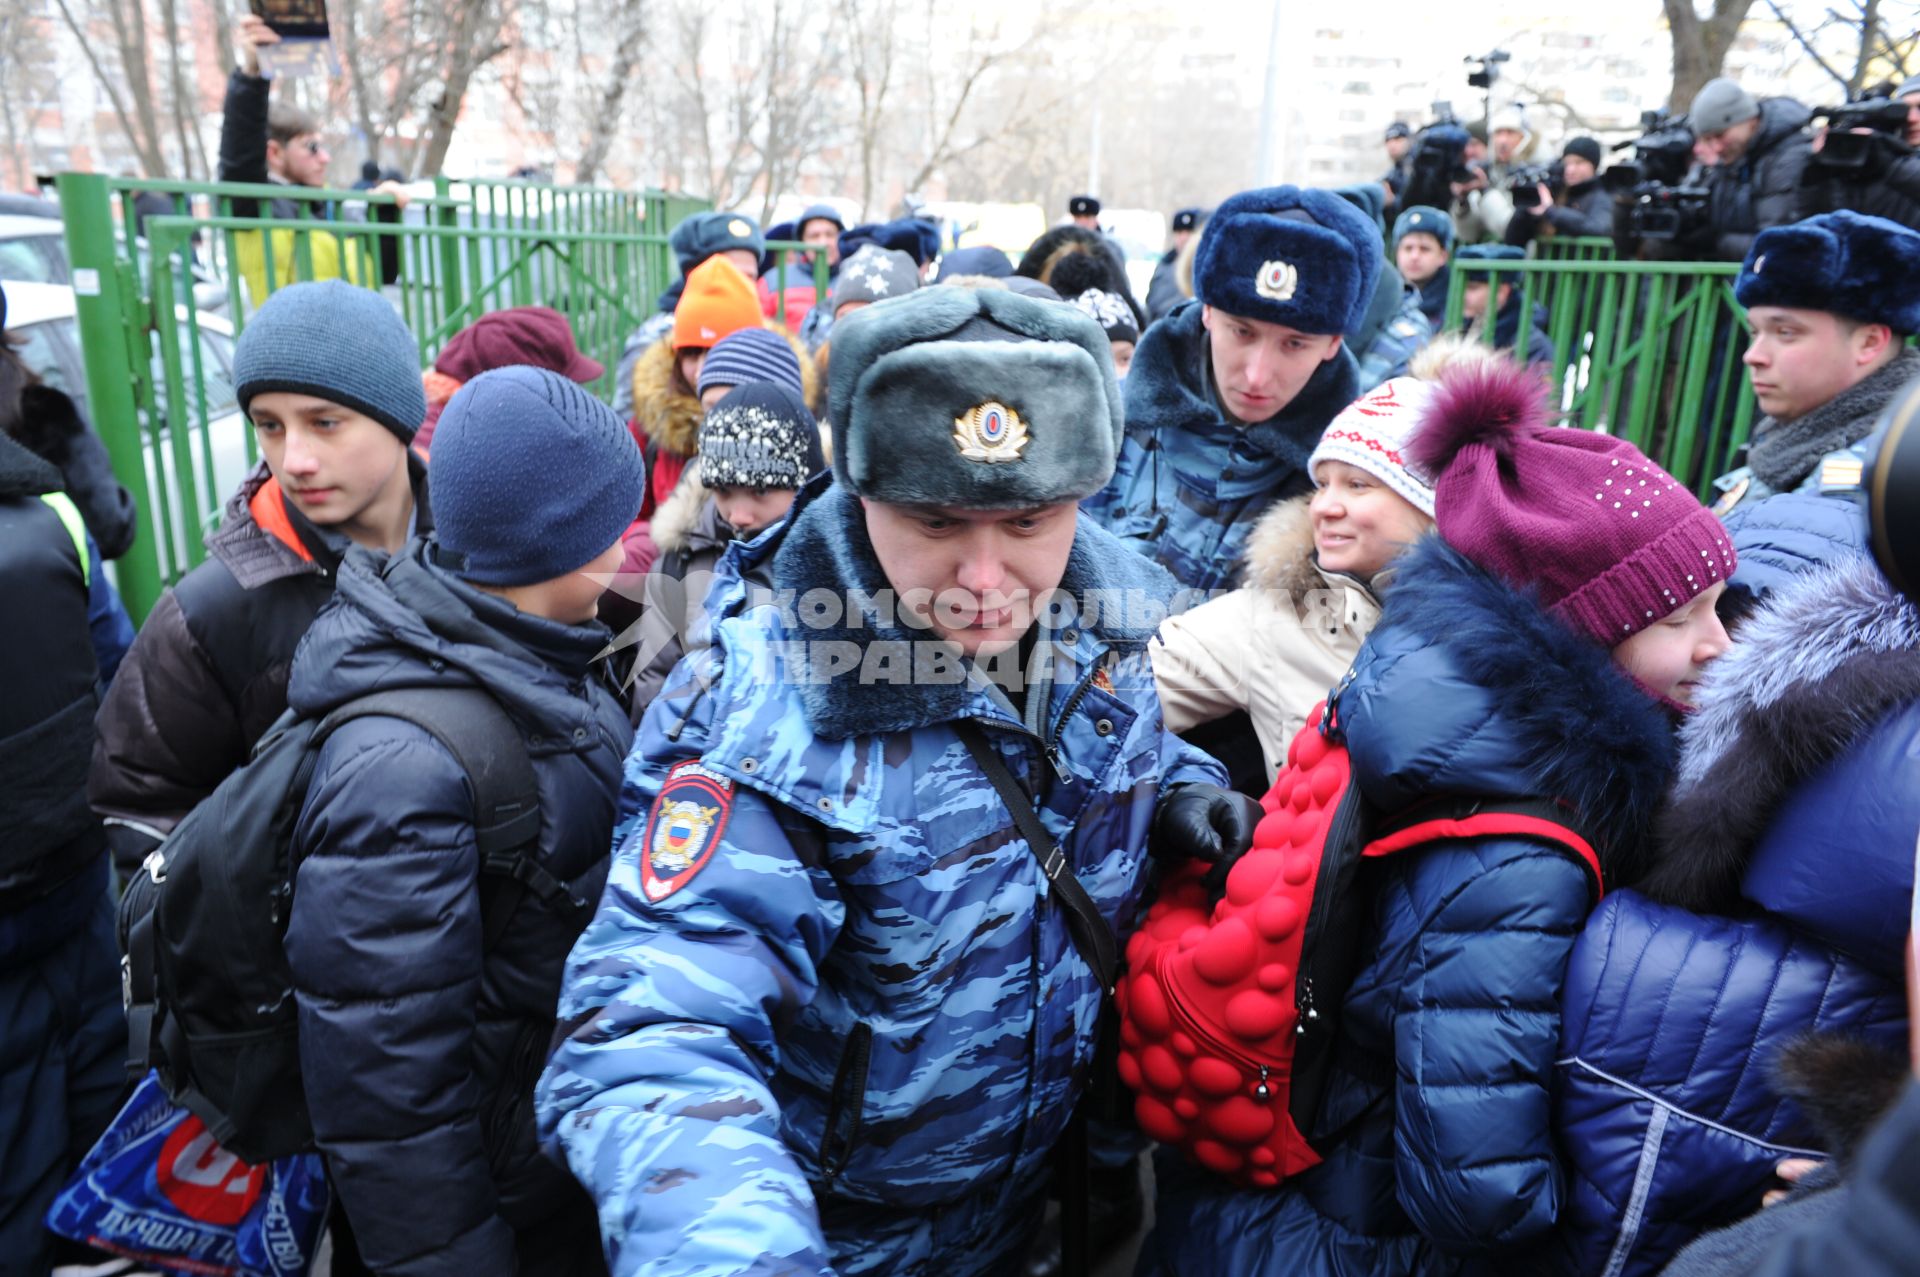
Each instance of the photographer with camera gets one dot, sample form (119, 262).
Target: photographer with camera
(1829, 302)
(1583, 206)
(1759, 150)
(1512, 144)
(1864, 158)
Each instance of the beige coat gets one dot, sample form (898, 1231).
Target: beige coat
(1274, 648)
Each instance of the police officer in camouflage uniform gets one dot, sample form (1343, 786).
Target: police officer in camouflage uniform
(831, 1014)
(1829, 303)
(1229, 394)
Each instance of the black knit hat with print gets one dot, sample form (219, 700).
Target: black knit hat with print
(760, 436)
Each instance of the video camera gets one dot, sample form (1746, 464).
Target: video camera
(1861, 156)
(1652, 186)
(1486, 68)
(1524, 183)
(1438, 160)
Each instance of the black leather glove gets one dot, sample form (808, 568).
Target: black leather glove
(1204, 822)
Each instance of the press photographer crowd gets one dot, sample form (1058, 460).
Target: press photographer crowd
(974, 771)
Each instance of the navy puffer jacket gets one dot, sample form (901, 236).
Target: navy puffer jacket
(418, 1053)
(1778, 907)
(1435, 1122)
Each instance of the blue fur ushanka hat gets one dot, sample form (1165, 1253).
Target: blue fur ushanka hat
(1306, 259)
(975, 398)
(1427, 219)
(1845, 263)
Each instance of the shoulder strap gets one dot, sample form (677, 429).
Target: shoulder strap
(506, 796)
(1542, 819)
(1092, 937)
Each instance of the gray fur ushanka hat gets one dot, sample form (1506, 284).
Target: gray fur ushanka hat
(980, 399)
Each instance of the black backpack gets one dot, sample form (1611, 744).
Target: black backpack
(209, 994)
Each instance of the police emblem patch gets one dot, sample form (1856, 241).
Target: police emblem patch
(1731, 498)
(739, 229)
(683, 828)
(990, 432)
(1277, 280)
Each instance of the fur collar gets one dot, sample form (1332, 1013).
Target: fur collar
(1170, 406)
(672, 419)
(1279, 554)
(1815, 668)
(826, 544)
(678, 523)
(1505, 698)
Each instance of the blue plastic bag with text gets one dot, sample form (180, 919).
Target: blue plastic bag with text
(157, 1188)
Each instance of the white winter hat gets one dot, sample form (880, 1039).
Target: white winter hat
(1371, 433)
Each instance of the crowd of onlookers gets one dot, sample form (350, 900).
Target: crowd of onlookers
(852, 786)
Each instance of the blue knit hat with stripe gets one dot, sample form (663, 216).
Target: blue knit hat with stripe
(336, 342)
(751, 354)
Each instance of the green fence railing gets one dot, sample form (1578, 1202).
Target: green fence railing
(158, 313)
(1648, 351)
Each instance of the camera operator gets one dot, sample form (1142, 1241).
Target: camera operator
(1582, 207)
(1759, 149)
(1512, 144)
(1865, 159)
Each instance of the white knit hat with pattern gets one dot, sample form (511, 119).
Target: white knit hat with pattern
(1371, 434)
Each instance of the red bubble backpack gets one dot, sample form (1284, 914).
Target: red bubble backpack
(1228, 1014)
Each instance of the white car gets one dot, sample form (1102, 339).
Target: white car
(33, 250)
(41, 320)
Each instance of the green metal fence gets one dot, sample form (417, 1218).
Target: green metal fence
(158, 313)
(1648, 351)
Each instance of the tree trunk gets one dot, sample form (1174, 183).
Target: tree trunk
(145, 147)
(472, 43)
(626, 55)
(1700, 44)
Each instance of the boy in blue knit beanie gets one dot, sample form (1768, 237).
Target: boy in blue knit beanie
(425, 982)
(330, 378)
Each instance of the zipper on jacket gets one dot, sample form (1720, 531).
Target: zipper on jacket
(1052, 744)
(846, 1108)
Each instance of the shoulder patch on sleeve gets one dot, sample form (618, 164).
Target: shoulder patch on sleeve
(683, 828)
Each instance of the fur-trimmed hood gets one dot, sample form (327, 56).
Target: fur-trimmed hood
(671, 418)
(1822, 662)
(1467, 687)
(1280, 555)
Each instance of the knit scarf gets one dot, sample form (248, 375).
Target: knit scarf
(1788, 451)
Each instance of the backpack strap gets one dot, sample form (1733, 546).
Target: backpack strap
(1543, 819)
(506, 796)
(1092, 937)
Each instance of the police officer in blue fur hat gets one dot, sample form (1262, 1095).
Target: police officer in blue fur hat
(834, 1013)
(1830, 302)
(1228, 395)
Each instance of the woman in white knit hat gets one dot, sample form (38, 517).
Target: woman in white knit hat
(1274, 647)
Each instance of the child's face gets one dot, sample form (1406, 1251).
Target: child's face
(1122, 358)
(1669, 656)
(748, 510)
(334, 464)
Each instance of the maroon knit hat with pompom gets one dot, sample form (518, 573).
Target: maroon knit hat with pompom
(1608, 540)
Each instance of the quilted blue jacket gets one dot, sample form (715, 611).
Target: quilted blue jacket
(1778, 907)
(827, 1017)
(1190, 484)
(1435, 1124)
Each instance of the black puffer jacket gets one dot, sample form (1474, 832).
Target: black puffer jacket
(419, 1053)
(47, 677)
(1762, 188)
(208, 672)
(51, 425)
